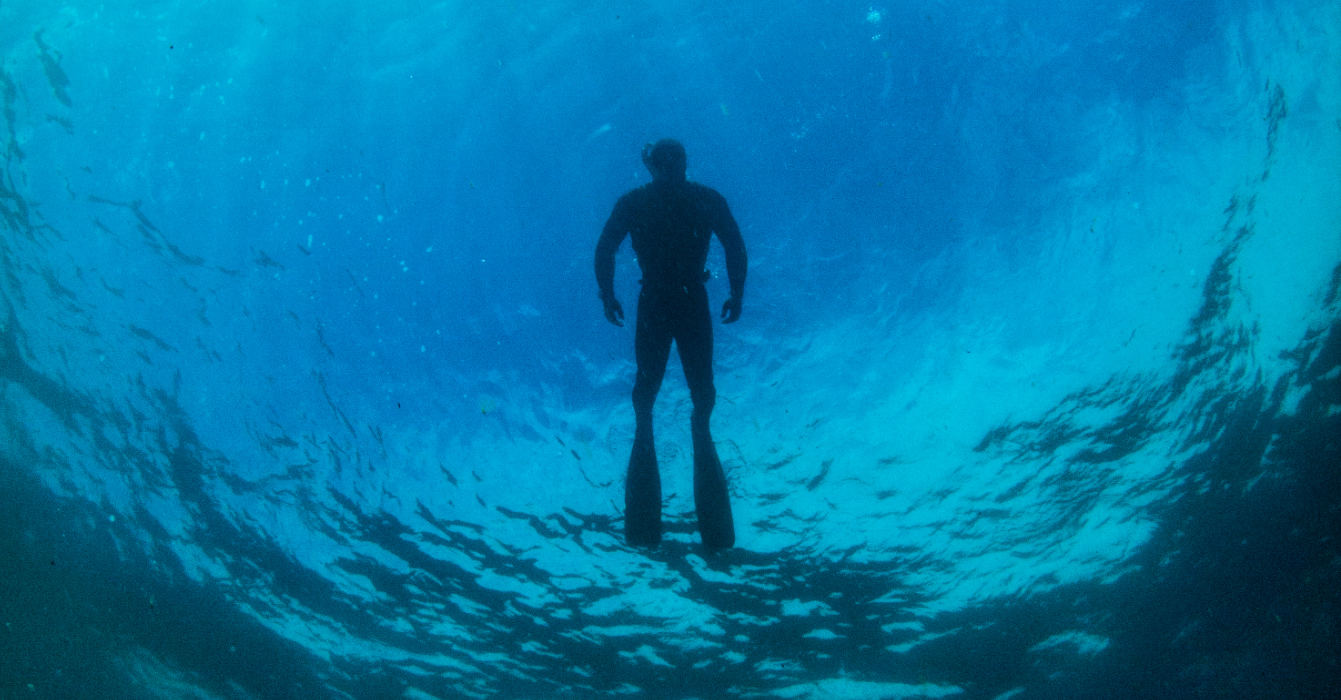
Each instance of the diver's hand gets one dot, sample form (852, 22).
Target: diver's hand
(731, 310)
(614, 313)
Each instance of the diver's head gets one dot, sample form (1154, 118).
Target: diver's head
(665, 159)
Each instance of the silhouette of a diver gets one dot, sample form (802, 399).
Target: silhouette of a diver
(671, 222)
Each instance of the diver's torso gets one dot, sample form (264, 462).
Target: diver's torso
(671, 226)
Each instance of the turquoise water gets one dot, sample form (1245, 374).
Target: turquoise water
(305, 390)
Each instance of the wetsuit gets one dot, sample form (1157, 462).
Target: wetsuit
(671, 222)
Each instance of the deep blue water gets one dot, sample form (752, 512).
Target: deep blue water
(305, 390)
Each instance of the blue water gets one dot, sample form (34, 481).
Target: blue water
(305, 390)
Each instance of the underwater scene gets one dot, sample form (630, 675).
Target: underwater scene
(309, 389)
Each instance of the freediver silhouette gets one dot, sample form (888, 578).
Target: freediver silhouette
(671, 222)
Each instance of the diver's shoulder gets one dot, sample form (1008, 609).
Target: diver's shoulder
(639, 193)
(704, 193)
(696, 190)
(632, 198)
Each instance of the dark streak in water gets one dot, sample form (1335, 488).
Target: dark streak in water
(56, 287)
(321, 381)
(144, 333)
(589, 480)
(63, 123)
(354, 280)
(51, 66)
(824, 471)
(321, 338)
(9, 94)
(263, 259)
(62, 402)
(152, 235)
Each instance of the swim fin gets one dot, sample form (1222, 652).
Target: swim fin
(712, 503)
(642, 495)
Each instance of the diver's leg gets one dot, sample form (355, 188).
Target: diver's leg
(642, 486)
(712, 503)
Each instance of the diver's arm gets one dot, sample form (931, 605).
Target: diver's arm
(611, 236)
(736, 260)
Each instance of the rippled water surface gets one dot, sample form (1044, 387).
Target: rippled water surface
(305, 390)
